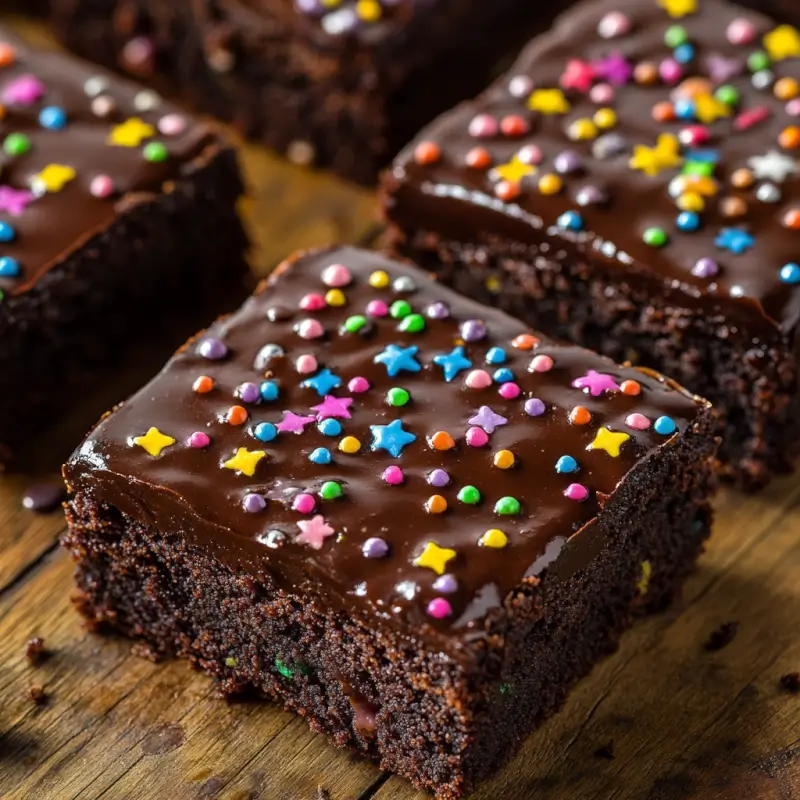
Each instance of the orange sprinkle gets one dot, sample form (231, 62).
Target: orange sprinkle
(435, 504)
(580, 416)
(427, 153)
(478, 158)
(513, 125)
(7, 54)
(630, 387)
(733, 207)
(550, 184)
(645, 73)
(789, 138)
(786, 89)
(203, 385)
(791, 219)
(525, 341)
(663, 112)
(742, 178)
(237, 415)
(507, 190)
(441, 440)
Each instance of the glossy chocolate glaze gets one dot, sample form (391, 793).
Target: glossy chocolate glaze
(187, 490)
(450, 198)
(49, 225)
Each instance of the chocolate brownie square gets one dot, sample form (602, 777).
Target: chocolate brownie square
(632, 184)
(116, 210)
(392, 509)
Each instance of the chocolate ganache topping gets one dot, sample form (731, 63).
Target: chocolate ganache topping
(658, 138)
(78, 146)
(362, 435)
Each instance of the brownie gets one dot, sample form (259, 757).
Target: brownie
(116, 212)
(343, 84)
(632, 185)
(391, 509)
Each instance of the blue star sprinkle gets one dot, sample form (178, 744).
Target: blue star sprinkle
(452, 363)
(735, 240)
(323, 382)
(398, 359)
(391, 437)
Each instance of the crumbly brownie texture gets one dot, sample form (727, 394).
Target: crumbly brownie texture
(111, 204)
(390, 509)
(342, 85)
(632, 185)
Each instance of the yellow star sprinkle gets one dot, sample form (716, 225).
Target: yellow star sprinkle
(245, 461)
(52, 178)
(782, 42)
(643, 584)
(154, 441)
(131, 133)
(708, 108)
(609, 441)
(678, 8)
(494, 537)
(434, 557)
(514, 171)
(651, 160)
(549, 101)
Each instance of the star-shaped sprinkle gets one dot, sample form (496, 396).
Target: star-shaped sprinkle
(24, 90)
(782, 42)
(678, 8)
(651, 160)
(323, 382)
(333, 407)
(708, 109)
(314, 532)
(487, 419)
(549, 101)
(614, 68)
(294, 423)
(154, 441)
(131, 133)
(452, 363)
(577, 75)
(722, 69)
(434, 557)
(735, 240)
(53, 178)
(596, 383)
(609, 441)
(391, 437)
(773, 166)
(398, 359)
(513, 171)
(245, 461)
(15, 201)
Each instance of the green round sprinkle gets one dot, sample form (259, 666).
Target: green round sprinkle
(397, 396)
(413, 323)
(675, 35)
(728, 95)
(655, 237)
(757, 61)
(505, 688)
(16, 144)
(355, 323)
(469, 495)
(155, 151)
(283, 669)
(507, 506)
(330, 490)
(400, 309)
(230, 661)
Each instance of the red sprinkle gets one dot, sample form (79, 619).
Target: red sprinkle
(752, 117)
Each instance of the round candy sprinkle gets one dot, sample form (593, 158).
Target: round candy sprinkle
(791, 219)
(306, 364)
(503, 375)
(446, 584)
(397, 396)
(473, 330)
(405, 283)
(576, 491)
(438, 478)
(203, 384)
(336, 275)
(566, 464)
(602, 94)
(310, 329)
(358, 385)
(741, 31)
(199, 440)
(329, 427)
(330, 490)
(439, 608)
(265, 431)
(321, 455)
(580, 416)
(413, 323)
(45, 497)
(212, 349)
(53, 118)
(513, 125)
(688, 221)
(567, 161)
(478, 379)
(525, 341)
(438, 311)
(7, 57)
(510, 391)
(550, 184)
(427, 153)
(7, 232)
(478, 158)
(483, 126)
(393, 475)
(172, 125)
(613, 24)
(155, 152)
(253, 503)
(350, 445)
(273, 539)
(786, 89)
(102, 186)
(494, 538)
(312, 302)
(375, 547)
(638, 422)
(469, 495)
(269, 391)
(705, 268)
(103, 106)
(477, 437)
(304, 503)
(436, 504)
(16, 144)
(534, 407)
(665, 426)
(354, 323)
(790, 273)
(379, 279)
(520, 86)
(495, 355)
(737, 207)
(570, 221)
(630, 387)
(655, 237)
(507, 506)
(400, 309)
(9, 267)
(541, 363)
(441, 440)
(266, 354)
(530, 154)
(236, 415)
(377, 308)
(504, 459)
(248, 392)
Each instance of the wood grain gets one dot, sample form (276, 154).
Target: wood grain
(686, 723)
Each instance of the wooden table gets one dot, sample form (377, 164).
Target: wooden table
(685, 722)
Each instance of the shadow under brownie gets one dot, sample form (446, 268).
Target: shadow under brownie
(632, 184)
(390, 509)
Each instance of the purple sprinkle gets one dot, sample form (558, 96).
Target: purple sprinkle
(535, 407)
(212, 349)
(438, 478)
(253, 503)
(473, 330)
(446, 584)
(438, 311)
(248, 392)
(590, 196)
(374, 547)
(705, 268)
(43, 497)
(567, 161)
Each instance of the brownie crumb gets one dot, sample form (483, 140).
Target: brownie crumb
(722, 636)
(606, 751)
(34, 650)
(790, 682)
(322, 794)
(37, 694)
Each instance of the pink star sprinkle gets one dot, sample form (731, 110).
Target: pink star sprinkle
(577, 75)
(314, 532)
(15, 202)
(596, 383)
(293, 423)
(333, 407)
(24, 91)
